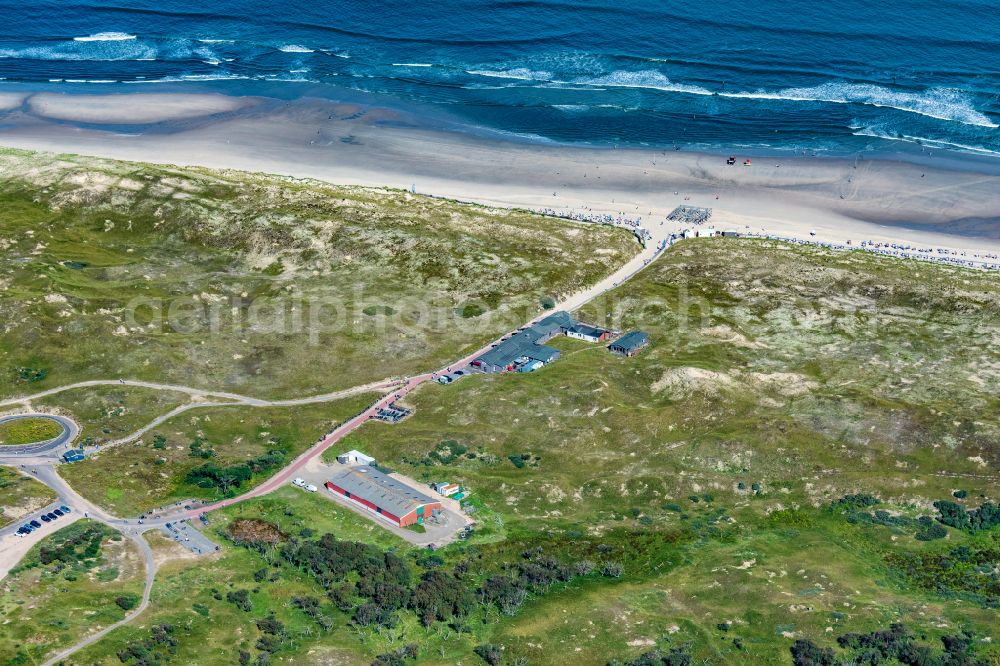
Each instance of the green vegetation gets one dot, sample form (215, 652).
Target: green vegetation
(21, 495)
(107, 413)
(794, 419)
(768, 481)
(71, 584)
(241, 446)
(894, 645)
(28, 431)
(260, 284)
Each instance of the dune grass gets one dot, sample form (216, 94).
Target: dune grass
(263, 285)
(50, 605)
(152, 471)
(28, 431)
(20, 495)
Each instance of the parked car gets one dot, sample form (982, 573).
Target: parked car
(45, 518)
(35, 524)
(311, 488)
(65, 509)
(300, 482)
(58, 512)
(51, 515)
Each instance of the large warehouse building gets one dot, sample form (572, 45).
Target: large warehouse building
(383, 495)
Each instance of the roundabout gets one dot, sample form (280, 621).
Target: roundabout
(67, 432)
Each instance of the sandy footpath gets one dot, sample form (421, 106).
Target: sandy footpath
(839, 200)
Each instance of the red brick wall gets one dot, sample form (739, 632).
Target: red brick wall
(340, 491)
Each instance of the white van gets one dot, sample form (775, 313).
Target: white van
(301, 483)
(311, 488)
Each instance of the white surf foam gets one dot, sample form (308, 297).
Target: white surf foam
(642, 79)
(940, 103)
(519, 73)
(295, 48)
(105, 37)
(921, 140)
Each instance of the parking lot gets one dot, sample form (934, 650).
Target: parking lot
(55, 514)
(187, 535)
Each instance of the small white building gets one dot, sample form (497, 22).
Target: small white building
(354, 457)
(705, 233)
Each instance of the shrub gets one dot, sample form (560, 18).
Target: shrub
(241, 599)
(127, 601)
(491, 654)
(612, 569)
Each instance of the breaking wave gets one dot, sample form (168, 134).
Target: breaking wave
(106, 37)
(295, 48)
(940, 103)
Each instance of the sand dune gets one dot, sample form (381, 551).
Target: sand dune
(132, 109)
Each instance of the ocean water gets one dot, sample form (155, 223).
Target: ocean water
(838, 75)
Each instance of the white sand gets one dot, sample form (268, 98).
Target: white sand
(10, 101)
(839, 199)
(129, 109)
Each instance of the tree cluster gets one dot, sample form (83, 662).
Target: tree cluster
(153, 651)
(675, 656)
(893, 645)
(211, 475)
(955, 515)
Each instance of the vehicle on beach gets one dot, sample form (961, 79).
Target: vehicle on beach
(732, 160)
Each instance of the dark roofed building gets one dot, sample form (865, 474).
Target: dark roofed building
(526, 345)
(383, 495)
(73, 455)
(630, 343)
(552, 325)
(588, 333)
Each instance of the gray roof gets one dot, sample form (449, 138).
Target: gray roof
(553, 323)
(381, 490)
(631, 340)
(525, 343)
(542, 353)
(587, 329)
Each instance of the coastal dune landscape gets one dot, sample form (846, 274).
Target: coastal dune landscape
(526, 333)
(931, 203)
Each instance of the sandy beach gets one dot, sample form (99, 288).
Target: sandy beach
(827, 199)
(137, 109)
(9, 101)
